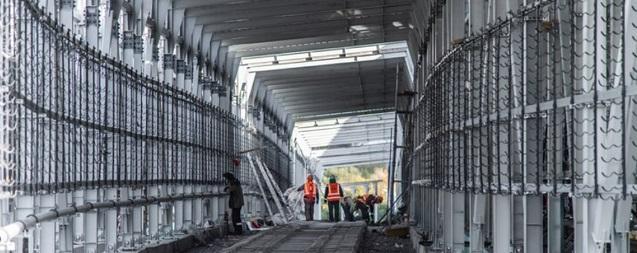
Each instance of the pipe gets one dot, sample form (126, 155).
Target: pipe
(392, 165)
(12, 230)
(250, 150)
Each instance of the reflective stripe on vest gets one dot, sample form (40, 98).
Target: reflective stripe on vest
(333, 192)
(309, 190)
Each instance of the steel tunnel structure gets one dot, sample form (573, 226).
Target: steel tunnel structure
(505, 125)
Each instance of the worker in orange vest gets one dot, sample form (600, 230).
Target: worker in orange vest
(333, 194)
(310, 196)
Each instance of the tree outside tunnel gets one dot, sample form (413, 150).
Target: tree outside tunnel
(358, 180)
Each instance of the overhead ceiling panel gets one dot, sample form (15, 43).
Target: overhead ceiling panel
(337, 88)
(256, 27)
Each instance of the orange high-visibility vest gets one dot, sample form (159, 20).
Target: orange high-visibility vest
(309, 189)
(333, 192)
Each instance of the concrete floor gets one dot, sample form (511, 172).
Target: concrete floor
(306, 237)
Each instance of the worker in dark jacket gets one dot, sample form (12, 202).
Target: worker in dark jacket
(233, 187)
(310, 196)
(333, 195)
(348, 208)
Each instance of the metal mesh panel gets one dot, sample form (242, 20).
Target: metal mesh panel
(80, 119)
(539, 103)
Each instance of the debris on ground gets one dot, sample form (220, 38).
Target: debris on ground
(399, 230)
(259, 224)
(376, 241)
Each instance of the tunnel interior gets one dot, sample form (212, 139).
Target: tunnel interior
(504, 125)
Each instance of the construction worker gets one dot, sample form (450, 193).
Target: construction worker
(310, 196)
(348, 208)
(362, 208)
(333, 195)
(370, 201)
(233, 187)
